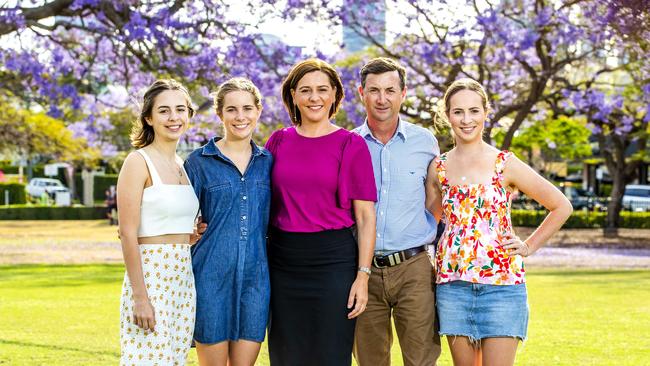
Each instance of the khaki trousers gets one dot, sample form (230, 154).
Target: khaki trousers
(407, 292)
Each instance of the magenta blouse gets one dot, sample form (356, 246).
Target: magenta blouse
(315, 179)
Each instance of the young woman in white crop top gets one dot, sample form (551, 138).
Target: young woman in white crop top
(157, 207)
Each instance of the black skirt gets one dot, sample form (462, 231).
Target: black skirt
(311, 277)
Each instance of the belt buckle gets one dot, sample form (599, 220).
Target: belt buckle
(374, 262)
(393, 259)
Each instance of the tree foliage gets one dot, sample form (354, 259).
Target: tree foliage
(39, 135)
(561, 139)
(83, 59)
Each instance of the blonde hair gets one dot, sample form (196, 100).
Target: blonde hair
(441, 110)
(236, 84)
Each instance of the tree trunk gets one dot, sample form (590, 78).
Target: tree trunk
(616, 203)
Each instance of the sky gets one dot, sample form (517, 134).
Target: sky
(320, 36)
(310, 35)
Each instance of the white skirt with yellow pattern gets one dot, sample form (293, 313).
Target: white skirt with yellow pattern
(169, 280)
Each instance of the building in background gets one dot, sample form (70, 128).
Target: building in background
(362, 19)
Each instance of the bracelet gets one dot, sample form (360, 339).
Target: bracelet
(365, 270)
(527, 248)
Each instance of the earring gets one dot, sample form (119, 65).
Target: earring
(295, 114)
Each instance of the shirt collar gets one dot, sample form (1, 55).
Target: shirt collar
(365, 131)
(211, 148)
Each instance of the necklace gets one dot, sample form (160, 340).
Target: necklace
(177, 171)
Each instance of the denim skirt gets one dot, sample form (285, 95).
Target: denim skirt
(480, 311)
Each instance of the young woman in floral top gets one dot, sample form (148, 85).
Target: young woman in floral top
(481, 290)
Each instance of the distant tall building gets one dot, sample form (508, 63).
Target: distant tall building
(370, 16)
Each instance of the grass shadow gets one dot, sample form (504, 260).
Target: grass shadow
(58, 348)
(42, 275)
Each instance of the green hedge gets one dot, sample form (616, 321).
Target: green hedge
(102, 182)
(37, 170)
(578, 220)
(17, 193)
(23, 212)
(583, 219)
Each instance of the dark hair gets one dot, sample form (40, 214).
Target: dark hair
(298, 71)
(381, 65)
(141, 132)
(236, 84)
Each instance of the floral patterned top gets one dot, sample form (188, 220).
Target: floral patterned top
(478, 221)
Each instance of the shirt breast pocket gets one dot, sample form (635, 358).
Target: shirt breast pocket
(218, 198)
(411, 184)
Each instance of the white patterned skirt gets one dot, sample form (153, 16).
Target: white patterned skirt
(169, 280)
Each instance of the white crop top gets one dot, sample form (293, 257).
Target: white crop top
(166, 208)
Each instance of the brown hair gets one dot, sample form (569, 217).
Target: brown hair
(298, 71)
(141, 132)
(441, 111)
(381, 65)
(236, 84)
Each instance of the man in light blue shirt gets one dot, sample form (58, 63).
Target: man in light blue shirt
(401, 280)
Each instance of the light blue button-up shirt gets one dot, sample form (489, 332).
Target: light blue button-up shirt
(400, 172)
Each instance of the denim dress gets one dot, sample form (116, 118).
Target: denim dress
(229, 262)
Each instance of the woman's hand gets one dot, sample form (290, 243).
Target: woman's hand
(514, 245)
(358, 295)
(144, 314)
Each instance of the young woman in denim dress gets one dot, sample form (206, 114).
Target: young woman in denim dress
(231, 178)
(481, 294)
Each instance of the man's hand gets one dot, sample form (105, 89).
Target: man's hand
(200, 228)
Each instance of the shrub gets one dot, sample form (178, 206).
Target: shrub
(583, 219)
(28, 212)
(17, 194)
(37, 170)
(102, 182)
(635, 220)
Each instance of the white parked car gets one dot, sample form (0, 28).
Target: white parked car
(38, 186)
(636, 197)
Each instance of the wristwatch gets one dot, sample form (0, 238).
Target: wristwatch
(365, 270)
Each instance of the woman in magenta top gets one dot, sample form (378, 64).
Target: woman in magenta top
(322, 185)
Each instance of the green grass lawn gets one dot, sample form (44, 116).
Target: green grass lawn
(68, 315)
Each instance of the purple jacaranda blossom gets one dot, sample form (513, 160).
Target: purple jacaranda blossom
(646, 90)
(108, 150)
(595, 129)
(529, 39)
(198, 45)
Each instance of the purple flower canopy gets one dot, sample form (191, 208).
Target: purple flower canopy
(526, 56)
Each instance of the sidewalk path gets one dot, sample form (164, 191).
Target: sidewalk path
(77, 242)
(78, 252)
(597, 258)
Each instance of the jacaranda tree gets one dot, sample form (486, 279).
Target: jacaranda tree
(68, 55)
(533, 56)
